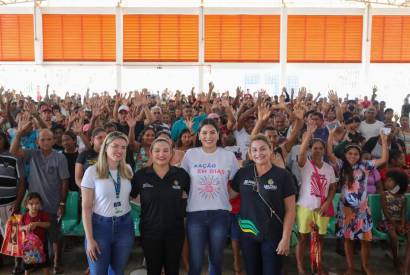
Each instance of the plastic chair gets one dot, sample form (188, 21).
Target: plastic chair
(331, 228)
(376, 213)
(71, 216)
(135, 215)
(78, 230)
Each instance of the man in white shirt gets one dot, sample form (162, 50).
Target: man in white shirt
(245, 125)
(370, 127)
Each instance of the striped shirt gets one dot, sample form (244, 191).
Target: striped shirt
(11, 168)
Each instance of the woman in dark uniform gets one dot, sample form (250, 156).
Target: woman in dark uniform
(267, 210)
(163, 189)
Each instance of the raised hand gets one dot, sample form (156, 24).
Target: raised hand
(77, 127)
(239, 92)
(189, 123)
(131, 120)
(302, 93)
(211, 86)
(299, 112)
(225, 103)
(30, 107)
(264, 112)
(24, 125)
(333, 98)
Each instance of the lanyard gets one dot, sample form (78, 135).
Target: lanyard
(117, 184)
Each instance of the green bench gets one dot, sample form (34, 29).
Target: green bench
(376, 213)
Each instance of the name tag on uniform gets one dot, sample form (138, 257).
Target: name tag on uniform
(176, 185)
(271, 185)
(117, 207)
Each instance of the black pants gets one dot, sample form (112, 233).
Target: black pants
(162, 253)
(260, 257)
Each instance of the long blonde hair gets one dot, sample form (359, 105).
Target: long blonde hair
(102, 163)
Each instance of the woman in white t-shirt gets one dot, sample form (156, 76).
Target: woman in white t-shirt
(106, 210)
(208, 212)
(317, 190)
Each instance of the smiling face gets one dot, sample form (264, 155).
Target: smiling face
(279, 122)
(148, 137)
(116, 149)
(208, 136)
(352, 156)
(68, 143)
(161, 153)
(166, 118)
(260, 152)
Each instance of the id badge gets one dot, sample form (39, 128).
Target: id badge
(117, 207)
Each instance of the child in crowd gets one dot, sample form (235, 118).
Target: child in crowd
(36, 221)
(394, 205)
(373, 178)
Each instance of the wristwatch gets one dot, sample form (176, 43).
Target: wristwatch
(62, 203)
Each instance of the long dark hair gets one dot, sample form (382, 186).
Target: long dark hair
(179, 140)
(209, 121)
(346, 174)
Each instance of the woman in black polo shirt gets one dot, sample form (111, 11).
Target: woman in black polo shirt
(267, 210)
(163, 189)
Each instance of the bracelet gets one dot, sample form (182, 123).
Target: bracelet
(62, 203)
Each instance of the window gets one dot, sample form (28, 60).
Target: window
(390, 39)
(16, 37)
(324, 38)
(79, 37)
(167, 38)
(242, 38)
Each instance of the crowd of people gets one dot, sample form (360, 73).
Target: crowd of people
(205, 167)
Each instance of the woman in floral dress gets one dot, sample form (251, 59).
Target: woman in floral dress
(353, 214)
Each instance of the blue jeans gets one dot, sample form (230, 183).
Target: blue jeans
(207, 227)
(115, 238)
(260, 257)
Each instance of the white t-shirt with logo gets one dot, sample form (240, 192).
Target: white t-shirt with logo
(210, 173)
(104, 193)
(243, 140)
(370, 130)
(311, 188)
